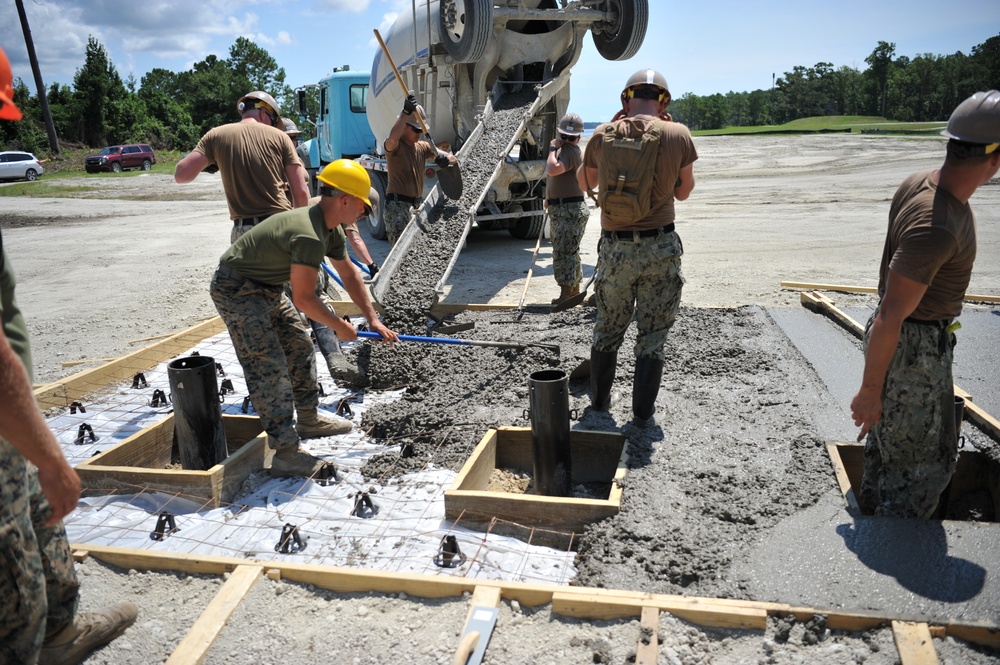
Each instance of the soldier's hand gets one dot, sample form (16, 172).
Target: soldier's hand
(373, 269)
(409, 105)
(443, 161)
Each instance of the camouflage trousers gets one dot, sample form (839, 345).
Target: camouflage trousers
(38, 585)
(396, 215)
(638, 278)
(569, 220)
(274, 348)
(911, 453)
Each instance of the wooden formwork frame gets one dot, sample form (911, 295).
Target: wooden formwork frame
(912, 636)
(817, 302)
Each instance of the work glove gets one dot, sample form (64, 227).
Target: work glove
(409, 105)
(373, 269)
(443, 161)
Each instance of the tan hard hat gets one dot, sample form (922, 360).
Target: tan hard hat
(646, 77)
(290, 128)
(571, 124)
(976, 120)
(417, 116)
(260, 99)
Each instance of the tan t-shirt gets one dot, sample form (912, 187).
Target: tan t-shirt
(406, 168)
(676, 151)
(931, 240)
(251, 157)
(565, 184)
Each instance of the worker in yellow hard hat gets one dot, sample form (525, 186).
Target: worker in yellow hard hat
(270, 338)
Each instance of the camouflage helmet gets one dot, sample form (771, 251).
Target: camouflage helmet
(261, 100)
(571, 124)
(643, 78)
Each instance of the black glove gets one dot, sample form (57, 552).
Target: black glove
(373, 269)
(211, 168)
(442, 161)
(409, 105)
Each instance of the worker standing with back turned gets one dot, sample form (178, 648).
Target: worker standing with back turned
(405, 156)
(568, 213)
(906, 403)
(641, 164)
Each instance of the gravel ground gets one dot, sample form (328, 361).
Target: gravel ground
(734, 450)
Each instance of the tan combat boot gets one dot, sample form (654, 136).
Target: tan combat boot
(566, 292)
(342, 370)
(311, 424)
(88, 631)
(291, 462)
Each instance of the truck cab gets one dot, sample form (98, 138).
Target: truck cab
(342, 129)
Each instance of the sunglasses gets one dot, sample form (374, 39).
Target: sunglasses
(568, 137)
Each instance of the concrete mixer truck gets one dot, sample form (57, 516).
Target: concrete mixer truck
(458, 56)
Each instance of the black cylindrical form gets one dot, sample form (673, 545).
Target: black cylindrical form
(548, 395)
(198, 429)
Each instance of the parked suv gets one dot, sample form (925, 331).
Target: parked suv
(16, 164)
(119, 158)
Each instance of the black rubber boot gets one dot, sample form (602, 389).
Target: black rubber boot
(602, 377)
(645, 388)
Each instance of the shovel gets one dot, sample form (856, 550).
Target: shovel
(573, 301)
(450, 177)
(463, 342)
(534, 257)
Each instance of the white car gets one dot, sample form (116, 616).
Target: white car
(16, 164)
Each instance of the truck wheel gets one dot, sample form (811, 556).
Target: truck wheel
(146, 165)
(376, 224)
(116, 167)
(465, 27)
(621, 38)
(529, 226)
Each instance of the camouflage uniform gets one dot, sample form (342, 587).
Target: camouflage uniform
(569, 221)
(911, 453)
(274, 348)
(396, 215)
(640, 277)
(38, 585)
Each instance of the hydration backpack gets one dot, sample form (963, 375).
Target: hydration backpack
(627, 170)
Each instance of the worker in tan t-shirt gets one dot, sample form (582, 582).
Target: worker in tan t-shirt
(255, 159)
(568, 213)
(405, 156)
(906, 403)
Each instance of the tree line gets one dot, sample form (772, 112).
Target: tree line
(171, 110)
(924, 88)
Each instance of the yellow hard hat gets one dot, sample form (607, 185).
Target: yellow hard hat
(349, 177)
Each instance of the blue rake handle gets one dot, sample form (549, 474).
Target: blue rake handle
(463, 342)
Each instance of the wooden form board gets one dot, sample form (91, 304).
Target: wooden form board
(597, 457)
(810, 286)
(577, 602)
(139, 461)
(819, 303)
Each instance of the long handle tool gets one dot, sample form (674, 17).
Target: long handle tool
(463, 342)
(573, 301)
(531, 270)
(450, 177)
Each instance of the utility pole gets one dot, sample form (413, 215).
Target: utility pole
(39, 85)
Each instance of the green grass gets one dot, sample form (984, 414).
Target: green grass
(40, 190)
(854, 124)
(69, 164)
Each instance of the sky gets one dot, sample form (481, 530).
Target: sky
(702, 47)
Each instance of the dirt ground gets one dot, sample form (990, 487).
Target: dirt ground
(735, 450)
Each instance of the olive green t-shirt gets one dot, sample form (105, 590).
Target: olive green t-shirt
(406, 168)
(931, 240)
(676, 151)
(14, 327)
(267, 252)
(251, 157)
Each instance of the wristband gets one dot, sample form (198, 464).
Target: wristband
(552, 148)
